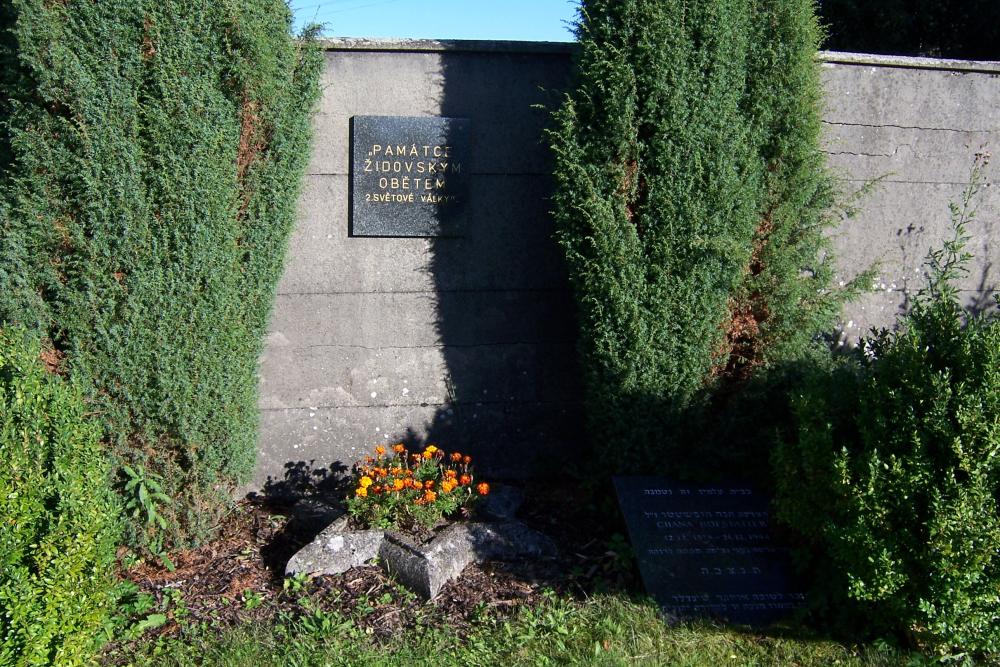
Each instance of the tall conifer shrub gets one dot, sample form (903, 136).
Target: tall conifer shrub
(691, 200)
(151, 155)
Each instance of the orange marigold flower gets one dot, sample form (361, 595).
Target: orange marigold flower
(399, 449)
(398, 484)
(369, 459)
(448, 485)
(376, 490)
(466, 459)
(361, 492)
(409, 473)
(450, 474)
(456, 456)
(415, 457)
(429, 484)
(396, 471)
(483, 488)
(465, 480)
(380, 450)
(430, 496)
(428, 455)
(365, 482)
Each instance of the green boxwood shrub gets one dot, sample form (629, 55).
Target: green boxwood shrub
(891, 477)
(58, 516)
(690, 200)
(151, 155)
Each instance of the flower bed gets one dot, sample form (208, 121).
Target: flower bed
(412, 492)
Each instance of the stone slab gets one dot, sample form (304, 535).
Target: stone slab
(381, 320)
(509, 246)
(335, 551)
(868, 94)
(709, 551)
(409, 176)
(341, 376)
(427, 568)
(900, 222)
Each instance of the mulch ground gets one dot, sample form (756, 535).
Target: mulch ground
(239, 576)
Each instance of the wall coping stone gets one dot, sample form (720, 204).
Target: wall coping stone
(453, 45)
(569, 48)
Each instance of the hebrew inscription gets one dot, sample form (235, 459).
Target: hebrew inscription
(708, 551)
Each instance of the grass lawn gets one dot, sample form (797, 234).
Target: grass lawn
(604, 630)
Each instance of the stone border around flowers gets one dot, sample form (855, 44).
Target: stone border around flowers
(425, 568)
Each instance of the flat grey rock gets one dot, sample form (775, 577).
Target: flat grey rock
(501, 504)
(336, 550)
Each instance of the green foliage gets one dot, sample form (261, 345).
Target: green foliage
(691, 202)
(151, 158)
(893, 476)
(144, 501)
(58, 516)
(967, 29)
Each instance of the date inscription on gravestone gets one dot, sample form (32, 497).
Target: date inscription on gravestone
(709, 551)
(409, 176)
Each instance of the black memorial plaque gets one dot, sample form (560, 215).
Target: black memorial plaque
(409, 176)
(709, 551)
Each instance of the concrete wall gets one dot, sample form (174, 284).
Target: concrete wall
(469, 341)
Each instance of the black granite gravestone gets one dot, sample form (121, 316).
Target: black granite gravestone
(708, 551)
(409, 176)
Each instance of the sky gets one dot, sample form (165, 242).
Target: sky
(531, 20)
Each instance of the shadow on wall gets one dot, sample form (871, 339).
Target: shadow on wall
(505, 317)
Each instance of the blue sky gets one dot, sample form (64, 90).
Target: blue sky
(537, 20)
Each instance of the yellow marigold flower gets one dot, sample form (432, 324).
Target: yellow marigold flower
(483, 488)
(431, 449)
(430, 496)
(361, 492)
(380, 450)
(365, 482)
(428, 455)
(398, 484)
